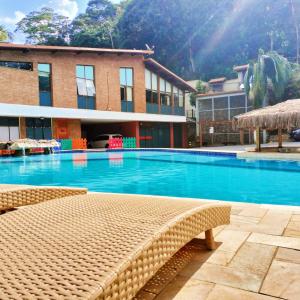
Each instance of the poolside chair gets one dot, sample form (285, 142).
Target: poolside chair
(12, 196)
(97, 246)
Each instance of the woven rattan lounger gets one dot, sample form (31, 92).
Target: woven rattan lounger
(96, 246)
(12, 196)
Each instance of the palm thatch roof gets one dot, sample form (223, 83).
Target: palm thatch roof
(284, 115)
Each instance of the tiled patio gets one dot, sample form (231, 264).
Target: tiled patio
(258, 258)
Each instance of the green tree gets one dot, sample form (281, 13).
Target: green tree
(201, 89)
(95, 27)
(178, 29)
(205, 38)
(5, 35)
(45, 27)
(266, 79)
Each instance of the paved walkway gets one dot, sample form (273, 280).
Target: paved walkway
(241, 148)
(258, 258)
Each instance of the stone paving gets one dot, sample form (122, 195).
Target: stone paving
(258, 258)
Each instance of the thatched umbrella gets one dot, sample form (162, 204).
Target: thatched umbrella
(284, 115)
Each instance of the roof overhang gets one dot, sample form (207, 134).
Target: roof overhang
(241, 68)
(165, 73)
(219, 94)
(86, 116)
(217, 80)
(77, 50)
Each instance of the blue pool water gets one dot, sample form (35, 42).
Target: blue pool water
(162, 173)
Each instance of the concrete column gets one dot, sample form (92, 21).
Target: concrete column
(184, 136)
(137, 134)
(171, 135)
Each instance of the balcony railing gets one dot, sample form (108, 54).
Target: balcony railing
(152, 108)
(166, 110)
(178, 110)
(190, 114)
(127, 106)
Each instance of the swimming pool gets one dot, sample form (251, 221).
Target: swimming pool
(221, 177)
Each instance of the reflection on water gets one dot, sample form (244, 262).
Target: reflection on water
(115, 159)
(80, 159)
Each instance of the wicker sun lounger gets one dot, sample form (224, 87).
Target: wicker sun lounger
(96, 246)
(12, 196)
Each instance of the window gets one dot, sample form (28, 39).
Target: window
(9, 129)
(17, 65)
(44, 71)
(86, 91)
(151, 91)
(205, 109)
(217, 87)
(178, 101)
(126, 88)
(178, 97)
(181, 98)
(38, 128)
(222, 108)
(165, 92)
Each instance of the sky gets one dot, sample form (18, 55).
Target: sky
(12, 11)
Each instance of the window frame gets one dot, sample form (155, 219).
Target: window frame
(152, 90)
(17, 62)
(164, 94)
(126, 86)
(86, 99)
(50, 82)
(34, 124)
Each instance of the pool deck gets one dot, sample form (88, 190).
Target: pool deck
(258, 258)
(247, 151)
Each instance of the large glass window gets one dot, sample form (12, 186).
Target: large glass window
(151, 91)
(165, 97)
(9, 129)
(217, 87)
(38, 128)
(44, 71)
(165, 92)
(222, 108)
(86, 91)
(178, 96)
(17, 65)
(126, 88)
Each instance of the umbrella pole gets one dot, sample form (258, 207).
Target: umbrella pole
(257, 139)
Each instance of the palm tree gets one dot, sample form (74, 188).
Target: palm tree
(266, 79)
(4, 34)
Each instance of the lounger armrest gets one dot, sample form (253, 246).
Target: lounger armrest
(15, 196)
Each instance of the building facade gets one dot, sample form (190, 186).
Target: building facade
(216, 109)
(70, 92)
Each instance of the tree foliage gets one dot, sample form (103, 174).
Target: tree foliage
(205, 38)
(267, 79)
(201, 89)
(95, 28)
(45, 27)
(194, 38)
(5, 35)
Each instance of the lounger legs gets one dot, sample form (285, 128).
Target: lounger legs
(209, 238)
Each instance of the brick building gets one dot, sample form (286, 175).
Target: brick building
(70, 92)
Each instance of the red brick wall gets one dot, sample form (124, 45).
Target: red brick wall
(21, 87)
(18, 86)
